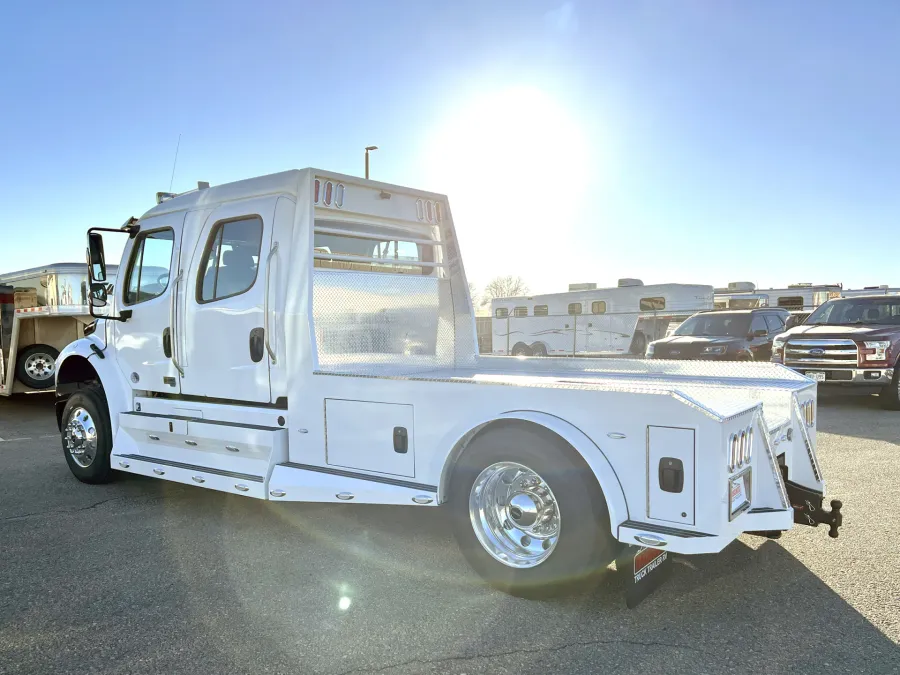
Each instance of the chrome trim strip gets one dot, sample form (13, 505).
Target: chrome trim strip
(266, 329)
(380, 261)
(194, 467)
(375, 237)
(662, 529)
(804, 433)
(173, 319)
(422, 487)
(773, 461)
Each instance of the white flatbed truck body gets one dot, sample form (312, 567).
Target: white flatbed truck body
(340, 365)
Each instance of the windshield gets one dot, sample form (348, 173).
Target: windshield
(855, 311)
(716, 325)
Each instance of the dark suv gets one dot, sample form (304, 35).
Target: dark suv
(730, 335)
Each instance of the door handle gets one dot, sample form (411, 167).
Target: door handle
(257, 339)
(167, 342)
(268, 331)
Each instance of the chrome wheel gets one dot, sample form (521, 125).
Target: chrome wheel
(81, 437)
(514, 515)
(40, 366)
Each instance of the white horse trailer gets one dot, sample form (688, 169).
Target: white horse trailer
(884, 289)
(796, 297)
(593, 322)
(311, 339)
(42, 309)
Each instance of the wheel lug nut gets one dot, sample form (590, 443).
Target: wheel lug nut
(526, 541)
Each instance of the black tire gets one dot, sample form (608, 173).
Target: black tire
(42, 357)
(538, 349)
(585, 545)
(521, 349)
(890, 395)
(639, 344)
(91, 400)
(744, 356)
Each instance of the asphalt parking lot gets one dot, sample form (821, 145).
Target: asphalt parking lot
(141, 576)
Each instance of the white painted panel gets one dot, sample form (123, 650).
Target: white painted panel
(360, 435)
(670, 506)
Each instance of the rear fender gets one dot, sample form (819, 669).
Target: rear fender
(583, 445)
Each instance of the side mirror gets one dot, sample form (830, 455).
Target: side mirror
(791, 322)
(99, 295)
(759, 333)
(96, 259)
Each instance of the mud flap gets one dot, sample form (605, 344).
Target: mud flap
(642, 571)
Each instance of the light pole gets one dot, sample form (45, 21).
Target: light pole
(368, 149)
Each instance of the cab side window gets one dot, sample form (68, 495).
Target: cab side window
(776, 325)
(231, 259)
(147, 276)
(758, 323)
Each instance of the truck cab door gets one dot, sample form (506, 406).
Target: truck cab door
(146, 287)
(226, 345)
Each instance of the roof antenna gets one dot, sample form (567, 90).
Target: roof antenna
(177, 145)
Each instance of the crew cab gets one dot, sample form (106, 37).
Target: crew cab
(848, 342)
(309, 336)
(723, 335)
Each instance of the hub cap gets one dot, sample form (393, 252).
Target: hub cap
(40, 366)
(81, 437)
(514, 514)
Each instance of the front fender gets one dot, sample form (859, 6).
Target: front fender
(72, 366)
(583, 445)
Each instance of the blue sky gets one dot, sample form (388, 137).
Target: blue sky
(698, 141)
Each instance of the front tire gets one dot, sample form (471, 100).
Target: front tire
(87, 436)
(36, 366)
(528, 513)
(890, 395)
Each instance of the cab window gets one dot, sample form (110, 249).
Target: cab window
(758, 323)
(147, 276)
(231, 259)
(776, 325)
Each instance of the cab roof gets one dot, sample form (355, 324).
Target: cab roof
(284, 182)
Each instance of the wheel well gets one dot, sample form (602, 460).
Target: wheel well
(521, 344)
(465, 441)
(75, 373)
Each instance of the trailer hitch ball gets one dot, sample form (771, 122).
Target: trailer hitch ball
(836, 518)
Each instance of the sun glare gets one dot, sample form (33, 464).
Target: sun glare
(514, 164)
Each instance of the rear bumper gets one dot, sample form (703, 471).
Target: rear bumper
(878, 377)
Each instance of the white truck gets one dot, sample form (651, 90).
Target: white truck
(42, 309)
(308, 336)
(796, 297)
(594, 321)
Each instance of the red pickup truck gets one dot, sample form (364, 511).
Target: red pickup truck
(850, 342)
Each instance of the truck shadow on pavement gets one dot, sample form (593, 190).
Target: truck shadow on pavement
(391, 582)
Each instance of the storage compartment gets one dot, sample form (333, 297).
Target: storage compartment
(370, 436)
(670, 474)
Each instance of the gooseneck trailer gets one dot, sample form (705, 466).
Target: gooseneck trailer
(309, 336)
